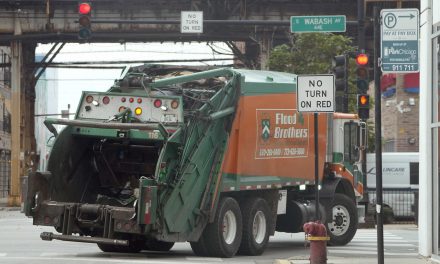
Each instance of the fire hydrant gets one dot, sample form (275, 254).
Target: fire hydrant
(317, 235)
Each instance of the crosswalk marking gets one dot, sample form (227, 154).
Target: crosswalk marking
(364, 252)
(386, 244)
(204, 259)
(365, 243)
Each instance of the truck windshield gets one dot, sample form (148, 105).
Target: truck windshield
(351, 142)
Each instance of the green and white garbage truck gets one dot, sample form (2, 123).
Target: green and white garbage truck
(219, 158)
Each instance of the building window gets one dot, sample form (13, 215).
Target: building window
(389, 146)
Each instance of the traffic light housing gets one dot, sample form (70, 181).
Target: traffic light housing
(340, 70)
(362, 79)
(84, 20)
(363, 105)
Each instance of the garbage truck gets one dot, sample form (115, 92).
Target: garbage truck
(218, 158)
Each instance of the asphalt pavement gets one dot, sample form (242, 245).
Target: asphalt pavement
(20, 243)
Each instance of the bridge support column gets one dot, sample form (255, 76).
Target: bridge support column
(16, 123)
(22, 114)
(266, 45)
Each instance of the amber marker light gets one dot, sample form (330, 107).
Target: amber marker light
(89, 99)
(138, 111)
(122, 108)
(174, 104)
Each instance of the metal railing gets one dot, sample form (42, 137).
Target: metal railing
(400, 205)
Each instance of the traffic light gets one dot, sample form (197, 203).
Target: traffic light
(339, 69)
(363, 104)
(84, 11)
(362, 80)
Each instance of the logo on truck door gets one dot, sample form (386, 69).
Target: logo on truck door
(281, 133)
(265, 133)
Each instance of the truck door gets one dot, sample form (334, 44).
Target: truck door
(351, 142)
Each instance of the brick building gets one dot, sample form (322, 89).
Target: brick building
(400, 112)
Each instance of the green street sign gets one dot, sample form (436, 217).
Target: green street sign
(299, 24)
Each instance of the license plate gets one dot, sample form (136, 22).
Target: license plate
(169, 119)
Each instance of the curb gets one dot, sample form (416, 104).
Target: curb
(9, 209)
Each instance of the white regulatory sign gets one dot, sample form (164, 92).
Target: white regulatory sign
(191, 22)
(316, 93)
(399, 40)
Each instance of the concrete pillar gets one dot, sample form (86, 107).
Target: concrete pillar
(266, 46)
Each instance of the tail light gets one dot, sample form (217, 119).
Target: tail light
(89, 99)
(123, 99)
(122, 108)
(139, 100)
(105, 100)
(131, 100)
(174, 104)
(157, 103)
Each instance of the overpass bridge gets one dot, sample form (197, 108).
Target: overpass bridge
(258, 24)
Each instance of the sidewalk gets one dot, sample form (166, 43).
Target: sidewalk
(4, 205)
(351, 260)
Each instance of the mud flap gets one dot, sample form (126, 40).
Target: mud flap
(147, 203)
(37, 192)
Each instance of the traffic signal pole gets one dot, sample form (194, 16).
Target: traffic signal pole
(346, 91)
(378, 141)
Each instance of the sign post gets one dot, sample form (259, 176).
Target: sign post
(399, 40)
(316, 93)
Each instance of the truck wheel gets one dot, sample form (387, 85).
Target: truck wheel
(199, 248)
(223, 236)
(257, 221)
(157, 245)
(135, 246)
(342, 220)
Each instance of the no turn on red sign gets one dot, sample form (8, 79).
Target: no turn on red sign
(315, 93)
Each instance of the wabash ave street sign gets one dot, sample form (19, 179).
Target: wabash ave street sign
(400, 40)
(315, 93)
(301, 24)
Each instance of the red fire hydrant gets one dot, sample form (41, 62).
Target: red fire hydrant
(317, 235)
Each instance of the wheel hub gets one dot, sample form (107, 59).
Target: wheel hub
(340, 220)
(229, 227)
(259, 227)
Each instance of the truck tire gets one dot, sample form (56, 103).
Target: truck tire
(199, 248)
(157, 245)
(257, 221)
(223, 236)
(135, 246)
(342, 220)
